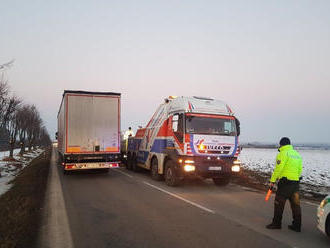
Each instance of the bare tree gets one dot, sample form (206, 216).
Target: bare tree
(17, 121)
(11, 105)
(7, 65)
(44, 138)
(4, 92)
(33, 129)
(23, 123)
(12, 124)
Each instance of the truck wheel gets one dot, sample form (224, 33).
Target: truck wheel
(221, 181)
(154, 170)
(129, 162)
(171, 177)
(327, 226)
(135, 167)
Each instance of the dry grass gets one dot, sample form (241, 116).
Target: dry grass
(20, 207)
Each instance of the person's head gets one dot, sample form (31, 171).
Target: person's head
(285, 141)
(130, 128)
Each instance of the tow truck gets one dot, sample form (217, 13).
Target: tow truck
(188, 137)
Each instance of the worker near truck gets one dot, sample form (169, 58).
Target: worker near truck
(127, 134)
(287, 171)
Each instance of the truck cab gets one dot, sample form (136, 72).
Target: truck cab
(188, 137)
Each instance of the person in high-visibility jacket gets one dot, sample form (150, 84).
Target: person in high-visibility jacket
(127, 134)
(288, 173)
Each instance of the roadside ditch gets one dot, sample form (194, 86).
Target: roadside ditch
(21, 206)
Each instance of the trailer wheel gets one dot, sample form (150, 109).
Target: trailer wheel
(154, 170)
(221, 181)
(171, 177)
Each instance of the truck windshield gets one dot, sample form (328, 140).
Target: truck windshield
(208, 125)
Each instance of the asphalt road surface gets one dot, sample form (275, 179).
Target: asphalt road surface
(127, 209)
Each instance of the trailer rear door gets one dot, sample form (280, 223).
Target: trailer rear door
(93, 123)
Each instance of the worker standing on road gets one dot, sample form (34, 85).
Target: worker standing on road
(128, 133)
(288, 171)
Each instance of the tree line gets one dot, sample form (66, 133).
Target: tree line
(20, 121)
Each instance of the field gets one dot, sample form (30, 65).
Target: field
(316, 166)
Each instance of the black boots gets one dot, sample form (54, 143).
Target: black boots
(273, 226)
(291, 227)
(294, 228)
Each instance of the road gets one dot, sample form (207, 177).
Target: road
(127, 209)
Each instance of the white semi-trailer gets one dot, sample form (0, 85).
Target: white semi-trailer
(89, 130)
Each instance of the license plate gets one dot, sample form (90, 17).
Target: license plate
(215, 168)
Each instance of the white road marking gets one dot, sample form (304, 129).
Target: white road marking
(181, 198)
(124, 173)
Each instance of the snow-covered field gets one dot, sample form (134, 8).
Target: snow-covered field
(316, 163)
(9, 169)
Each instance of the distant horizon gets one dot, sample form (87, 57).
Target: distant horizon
(275, 144)
(272, 142)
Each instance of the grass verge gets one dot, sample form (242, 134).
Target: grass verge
(21, 206)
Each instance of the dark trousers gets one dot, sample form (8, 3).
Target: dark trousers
(287, 190)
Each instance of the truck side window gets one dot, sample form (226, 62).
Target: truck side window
(175, 123)
(238, 128)
(177, 126)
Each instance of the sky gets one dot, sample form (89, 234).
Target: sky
(269, 60)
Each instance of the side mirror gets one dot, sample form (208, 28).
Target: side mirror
(238, 126)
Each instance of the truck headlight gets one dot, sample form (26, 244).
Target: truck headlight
(189, 161)
(189, 167)
(235, 168)
(237, 162)
(324, 202)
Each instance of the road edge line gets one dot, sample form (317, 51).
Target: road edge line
(124, 173)
(180, 198)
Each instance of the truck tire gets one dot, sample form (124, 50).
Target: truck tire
(134, 164)
(154, 170)
(221, 181)
(129, 162)
(327, 226)
(171, 177)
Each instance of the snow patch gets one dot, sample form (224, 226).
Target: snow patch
(10, 169)
(316, 165)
